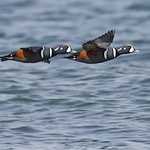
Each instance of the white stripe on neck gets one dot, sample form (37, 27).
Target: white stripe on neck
(105, 54)
(42, 52)
(50, 52)
(114, 52)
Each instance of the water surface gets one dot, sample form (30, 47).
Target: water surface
(69, 105)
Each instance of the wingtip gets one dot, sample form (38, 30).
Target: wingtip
(112, 31)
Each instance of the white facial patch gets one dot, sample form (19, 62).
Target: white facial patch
(69, 49)
(131, 49)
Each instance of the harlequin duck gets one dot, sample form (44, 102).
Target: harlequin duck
(37, 54)
(99, 50)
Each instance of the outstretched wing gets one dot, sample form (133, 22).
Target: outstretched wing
(102, 41)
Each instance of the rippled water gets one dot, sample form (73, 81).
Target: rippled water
(69, 105)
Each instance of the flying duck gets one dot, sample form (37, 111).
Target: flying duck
(37, 54)
(99, 50)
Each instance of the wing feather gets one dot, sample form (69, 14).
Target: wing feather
(102, 41)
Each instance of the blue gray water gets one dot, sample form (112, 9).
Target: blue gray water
(67, 105)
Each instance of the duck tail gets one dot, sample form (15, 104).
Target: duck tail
(4, 57)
